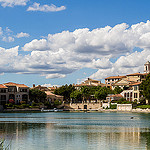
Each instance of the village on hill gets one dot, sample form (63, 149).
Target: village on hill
(118, 92)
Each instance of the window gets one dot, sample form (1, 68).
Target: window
(112, 79)
(146, 68)
(124, 94)
(135, 95)
(23, 90)
(3, 97)
(135, 88)
(3, 91)
(128, 94)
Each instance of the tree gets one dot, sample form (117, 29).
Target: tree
(117, 90)
(85, 92)
(76, 95)
(145, 88)
(65, 91)
(102, 93)
(37, 95)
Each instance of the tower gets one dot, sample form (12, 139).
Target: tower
(147, 67)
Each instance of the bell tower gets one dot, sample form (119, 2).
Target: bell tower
(147, 67)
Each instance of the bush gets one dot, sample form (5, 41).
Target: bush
(113, 106)
(144, 106)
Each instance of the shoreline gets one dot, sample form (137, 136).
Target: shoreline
(138, 110)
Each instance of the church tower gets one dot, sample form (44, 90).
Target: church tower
(147, 67)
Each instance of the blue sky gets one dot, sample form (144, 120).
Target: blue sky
(57, 42)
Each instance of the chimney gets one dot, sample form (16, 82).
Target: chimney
(33, 85)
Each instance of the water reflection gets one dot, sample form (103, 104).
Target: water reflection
(77, 132)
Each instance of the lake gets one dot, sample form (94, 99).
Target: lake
(76, 131)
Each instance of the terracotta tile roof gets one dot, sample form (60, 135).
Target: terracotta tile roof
(136, 83)
(135, 74)
(116, 95)
(3, 86)
(145, 74)
(115, 77)
(15, 84)
(48, 93)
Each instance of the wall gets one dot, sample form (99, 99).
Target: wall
(124, 107)
(79, 106)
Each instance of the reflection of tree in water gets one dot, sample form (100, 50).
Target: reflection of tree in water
(145, 136)
(9, 129)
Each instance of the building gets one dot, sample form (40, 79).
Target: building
(52, 97)
(132, 93)
(90, 83)
(147, 67)
(14, 91)
(113, 79)
(112, 97)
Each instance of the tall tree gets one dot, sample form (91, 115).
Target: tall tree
(37, 95)
(145, 88)
(65, 91)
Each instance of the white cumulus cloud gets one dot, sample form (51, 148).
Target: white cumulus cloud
(45, 8)
(22, 34)
(12, 3)
(63, 53)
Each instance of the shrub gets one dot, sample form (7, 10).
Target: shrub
(144, 106)
(113, 106)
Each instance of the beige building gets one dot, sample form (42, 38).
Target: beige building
(112, 97)
(112, 79)
(133, 93)
(52, 97)
(17, 92)
(90, 83)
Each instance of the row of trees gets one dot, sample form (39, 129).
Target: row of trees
(70, 93)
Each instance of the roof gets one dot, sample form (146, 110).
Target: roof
(89, 79)
(147, 63)
(116, 95)
(15, 84)
(3, 86)
(48, 93)
(115, 77)
(136, 83)
(135, 74)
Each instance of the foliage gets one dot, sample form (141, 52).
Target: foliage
(85, 92)
(3, 146)
(113, 106)
(48, 104)
(144, 106)
(145, 88)
(76, 95)
(65, 91)
(102, 93)
(123, 101)
(57, 103)
(37, 95)
(117, 90)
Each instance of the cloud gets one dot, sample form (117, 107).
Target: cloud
(21, 34)
(7, 35)
(45, 8)
(8, 39)
(63, 53)
(12, 3)
(131, 63)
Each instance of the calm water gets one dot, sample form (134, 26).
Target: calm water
(76, 131)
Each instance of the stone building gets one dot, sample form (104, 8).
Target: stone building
(13, 91)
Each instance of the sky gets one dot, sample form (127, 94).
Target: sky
(57, 42)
